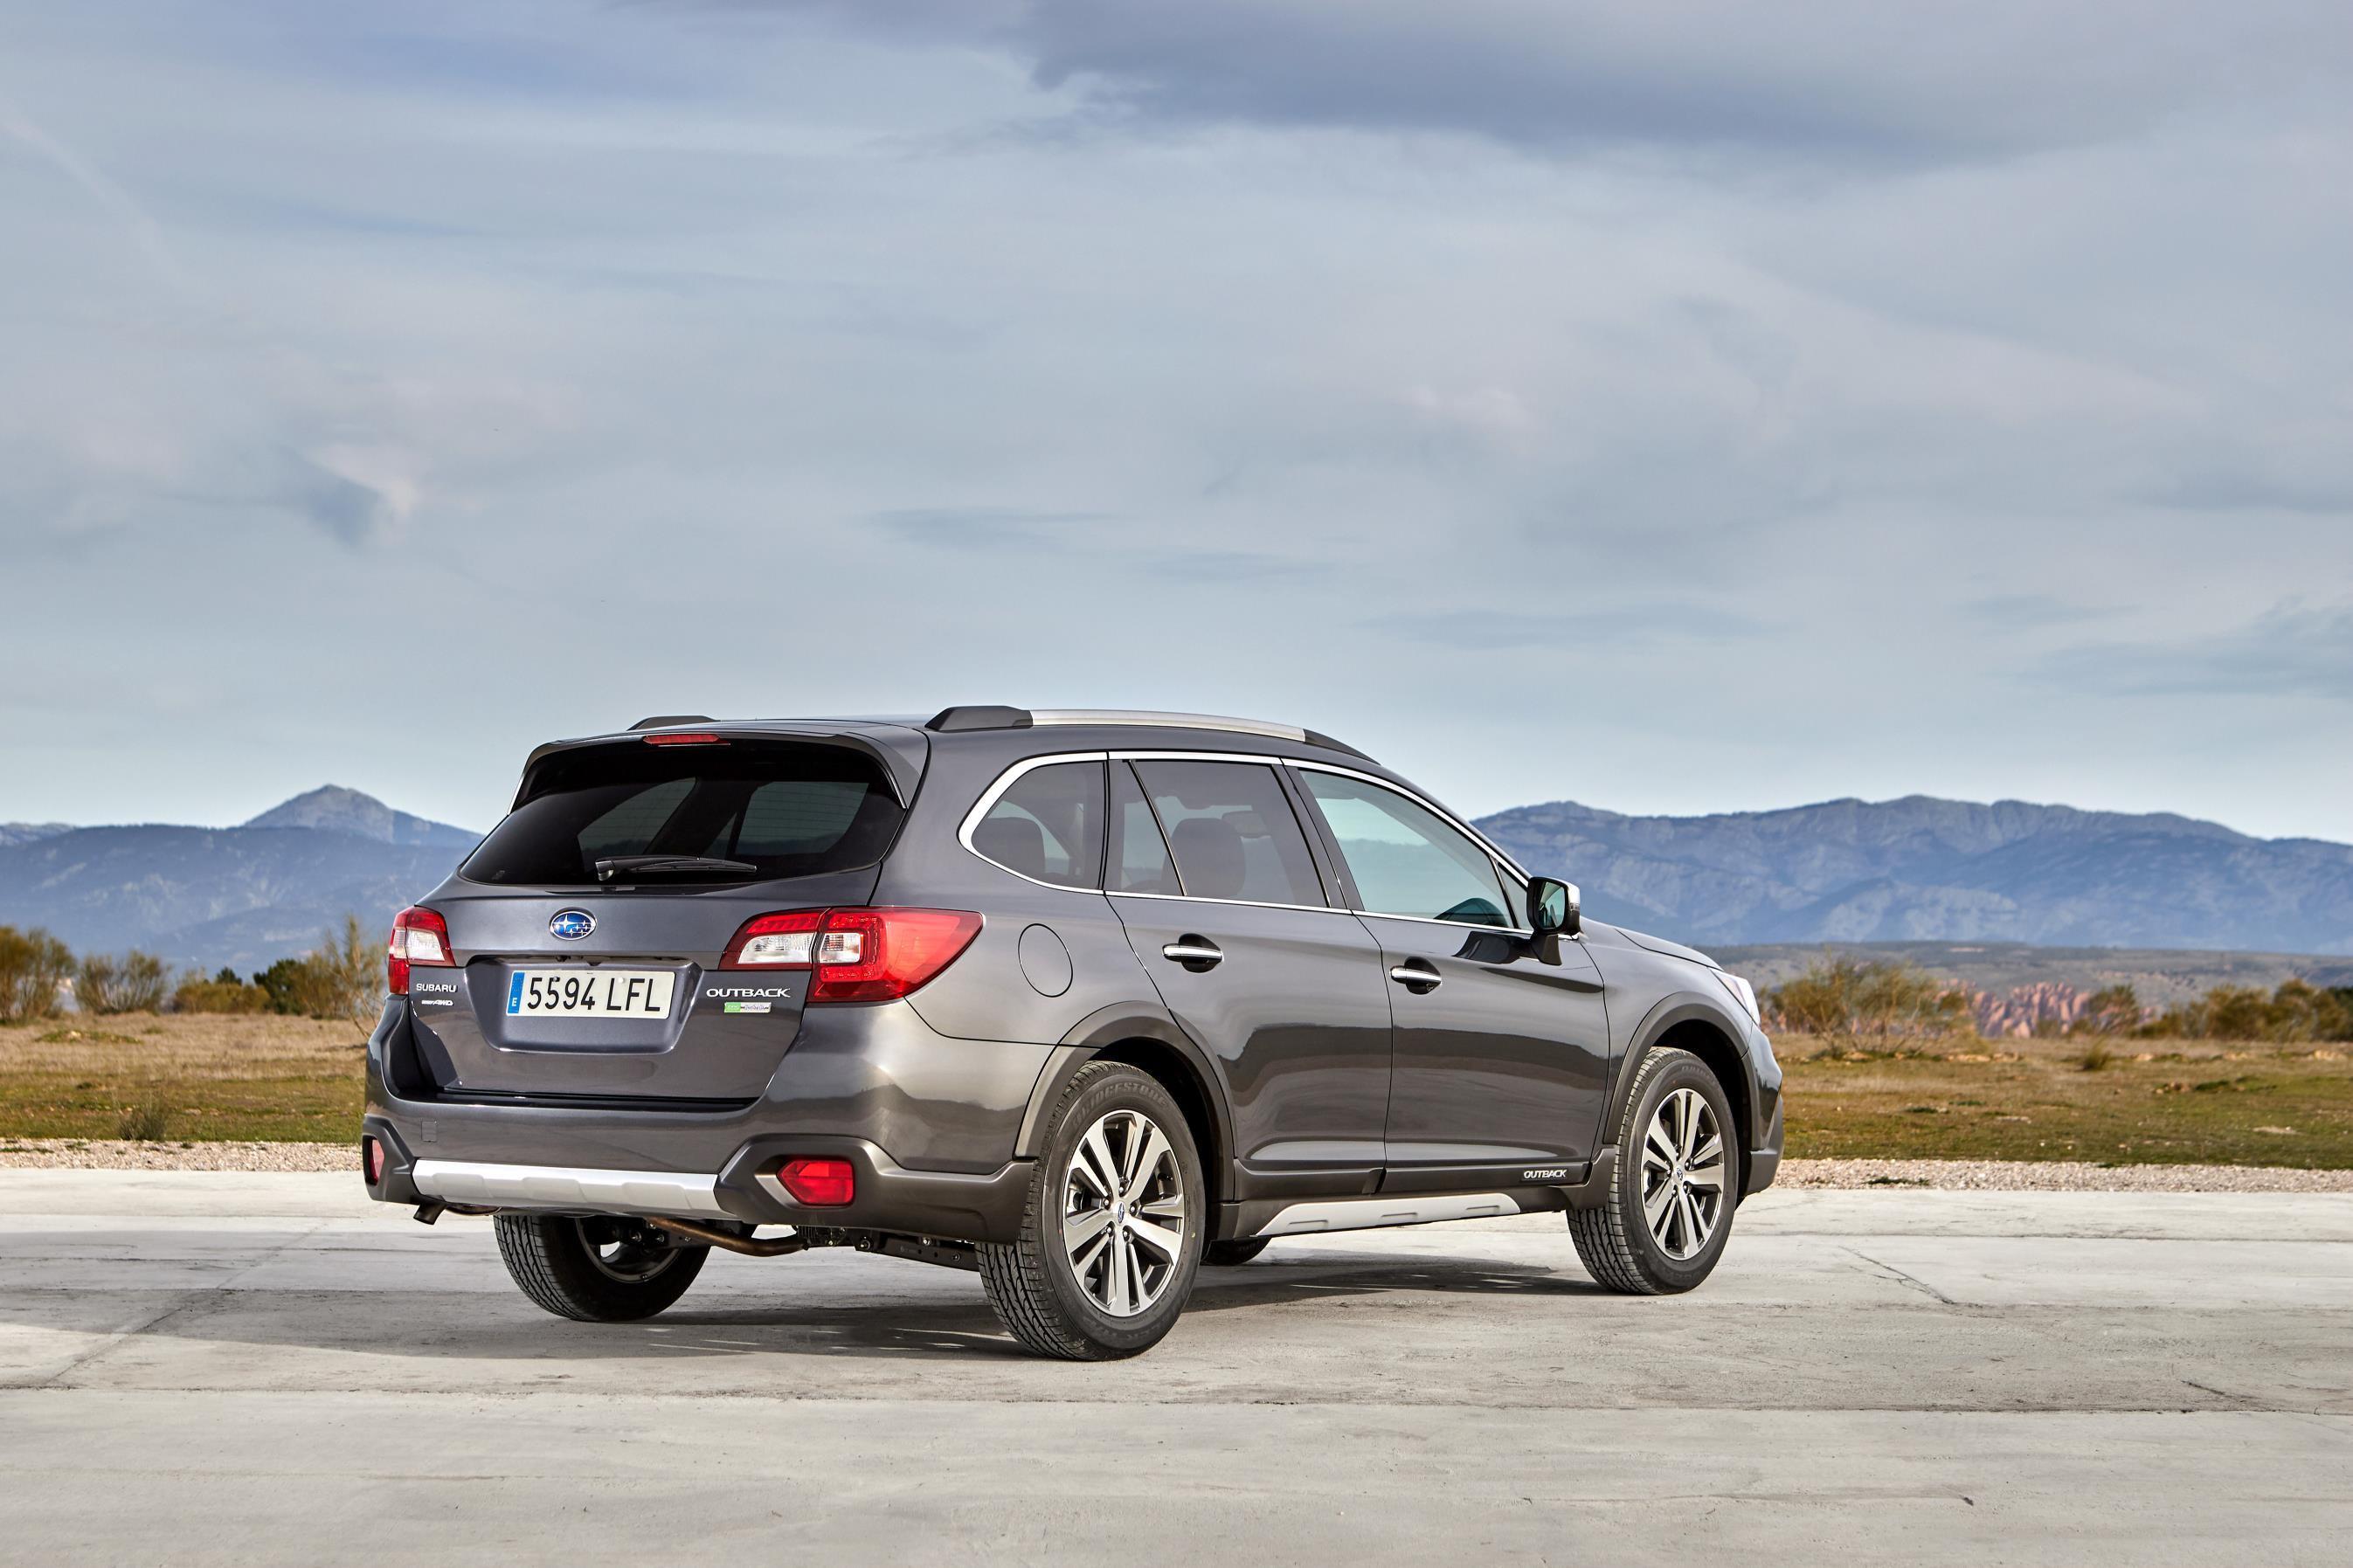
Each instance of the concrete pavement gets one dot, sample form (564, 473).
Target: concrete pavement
(204, 1367)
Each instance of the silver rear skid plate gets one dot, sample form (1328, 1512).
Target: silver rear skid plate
(679, 1193)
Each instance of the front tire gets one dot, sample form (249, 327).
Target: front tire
(1667, 1210)
(1110, 1234)
(604, 1268)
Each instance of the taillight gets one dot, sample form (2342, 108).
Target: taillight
(819, 1183)
(775, 942)
(418, 936)
(373, 1151)
(857, 955)
(696, 739)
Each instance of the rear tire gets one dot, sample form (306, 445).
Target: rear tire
(1233, 1254)
(604, 1268)
(1110, 1234)
(1668, 1209)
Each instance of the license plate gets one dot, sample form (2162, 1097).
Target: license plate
(589, 994)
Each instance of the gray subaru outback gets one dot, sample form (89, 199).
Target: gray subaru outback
(1080, 1001)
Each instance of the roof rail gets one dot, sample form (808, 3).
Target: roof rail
(991, 718)
(664, 720)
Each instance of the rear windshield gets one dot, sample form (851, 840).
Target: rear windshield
(781, 809)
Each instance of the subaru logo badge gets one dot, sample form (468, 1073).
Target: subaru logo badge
(571, 925)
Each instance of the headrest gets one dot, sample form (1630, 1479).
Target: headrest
(1015, 843)
(1209, 857)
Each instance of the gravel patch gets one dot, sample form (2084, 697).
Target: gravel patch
(2058, 1176)
(1982, 1175)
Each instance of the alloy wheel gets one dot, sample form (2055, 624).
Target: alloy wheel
(1682, 1174)
(1123, 1213)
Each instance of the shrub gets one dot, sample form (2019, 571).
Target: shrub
(343, 979)
(134, 984)
(33, 964)
(2096, 1057)
(224, 993)
(2111, 1010)
(145, 1122)
(1843, 999)
(2298, 1013)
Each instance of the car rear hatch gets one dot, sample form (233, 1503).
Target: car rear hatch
(589, 934)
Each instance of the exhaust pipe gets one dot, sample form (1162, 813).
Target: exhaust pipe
(747, 1245)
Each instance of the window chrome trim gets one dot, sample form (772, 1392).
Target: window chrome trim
(1006, 781)
(1011, 775)
(1239, 903)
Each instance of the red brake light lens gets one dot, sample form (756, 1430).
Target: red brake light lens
(373, 1149)
(879, 955)
(418, 936)
(859, 955)
(819, 1183)
(691, 738)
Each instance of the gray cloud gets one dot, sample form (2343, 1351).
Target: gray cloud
(2294, 650)
(1572, 626)
(2030, 612)
(1931, 80)
(1766, 487)
(979, 527)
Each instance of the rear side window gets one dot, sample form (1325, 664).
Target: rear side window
(1232, 831)
(1048, 825)
(780, 808)
(1139, 856)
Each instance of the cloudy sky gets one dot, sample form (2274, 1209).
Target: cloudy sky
(1669, 404)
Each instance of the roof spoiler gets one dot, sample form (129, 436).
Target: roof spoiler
(664, 720)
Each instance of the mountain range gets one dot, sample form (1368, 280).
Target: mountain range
(1844, 871)
(238, 896)
(1921, 870)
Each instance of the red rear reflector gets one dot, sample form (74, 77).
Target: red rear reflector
(693, 740)
(374, 1153)
(819, 1183)
(418, 936)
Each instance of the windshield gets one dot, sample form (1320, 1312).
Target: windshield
(734, 812)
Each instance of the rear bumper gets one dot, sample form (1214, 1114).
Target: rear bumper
(927, 1123)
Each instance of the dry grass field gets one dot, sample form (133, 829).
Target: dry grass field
(207, 1078)
(188, 1077)
(2162, 1102)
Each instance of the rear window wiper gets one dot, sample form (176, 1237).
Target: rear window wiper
(672, 866)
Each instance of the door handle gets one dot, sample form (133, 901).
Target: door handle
(1417, 977)
(1194, 952)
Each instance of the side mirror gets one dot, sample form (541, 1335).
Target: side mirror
(1553, 907)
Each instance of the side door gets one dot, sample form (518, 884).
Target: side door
(1210, 870)
(1502, 1054)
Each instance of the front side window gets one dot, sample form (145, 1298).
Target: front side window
(1232, 832)
(1405, 858)
(1048, 826)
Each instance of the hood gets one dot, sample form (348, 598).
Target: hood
(1652, 943)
